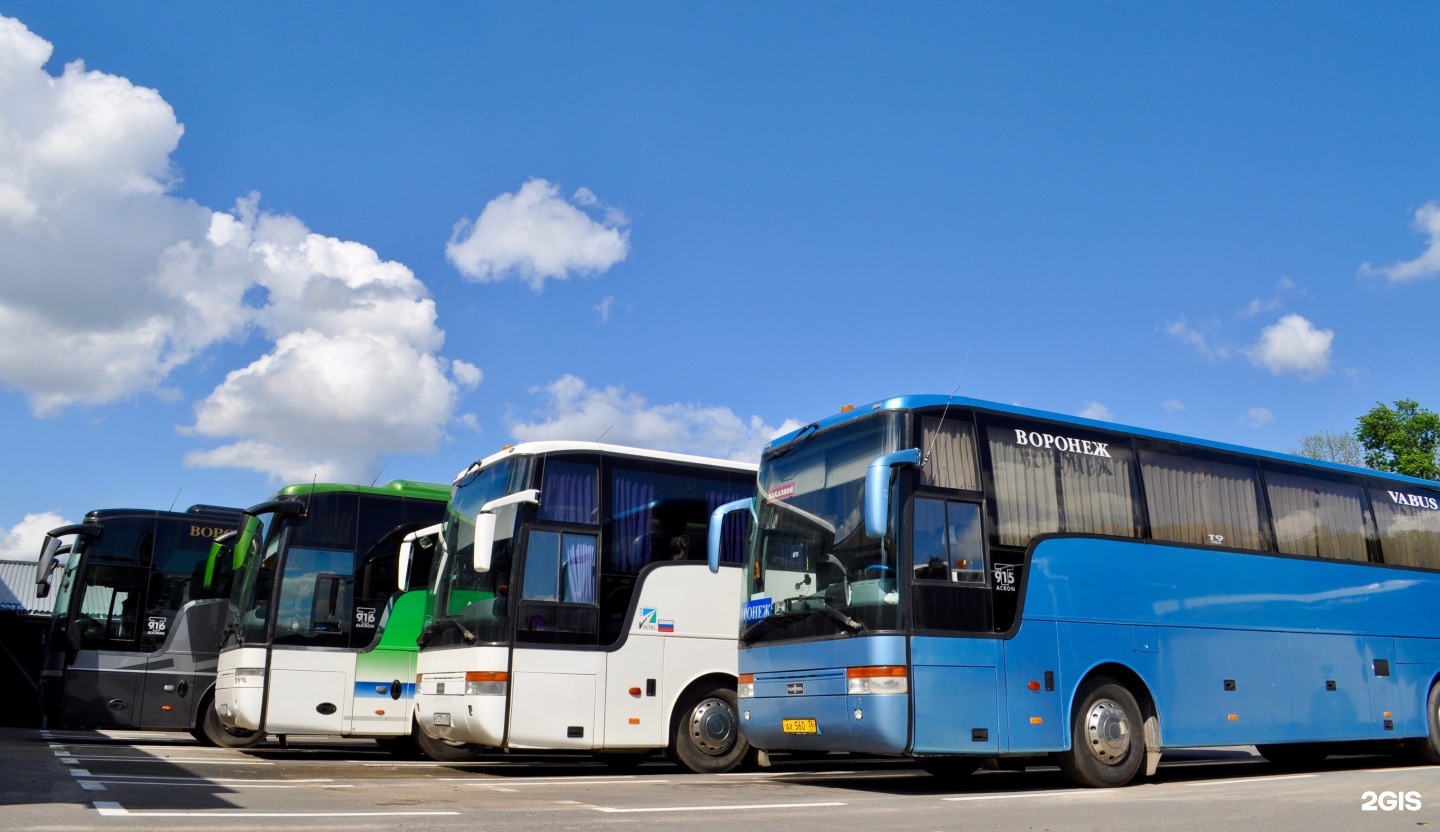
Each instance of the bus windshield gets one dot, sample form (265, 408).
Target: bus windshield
(254, 580)
(812, 571)
(470, 606)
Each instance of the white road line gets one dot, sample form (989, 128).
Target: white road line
(91, 786)
(617, 778)
(1017, 795)
(613, 810)
(576, 782)
(79, 772)
(237, 762)
(109, 809)
(1251, 779)
(213, 785)
(145, 778)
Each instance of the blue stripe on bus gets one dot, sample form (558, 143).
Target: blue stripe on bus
(381, 690)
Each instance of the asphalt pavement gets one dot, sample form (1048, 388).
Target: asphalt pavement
(67, 780)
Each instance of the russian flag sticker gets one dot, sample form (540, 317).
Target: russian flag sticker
(667, 626)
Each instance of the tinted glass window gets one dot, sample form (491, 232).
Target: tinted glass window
(110, 606)
(329, 522)
(1197, 500)
(1057, 478)
(1317, 517)
(316, 598)
(662, 513)
(479, 600)
(568, 494)
(948, 543)
(948, 449)
(1409, 519)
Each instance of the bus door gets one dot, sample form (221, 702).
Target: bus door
(555, 693)
(955, 677)
(106, 668)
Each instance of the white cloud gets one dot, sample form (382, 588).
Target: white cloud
(574, 410)
(603, 307)
(1256, 306)
(353, 374)
(471, 421)
(1173, 405)
(1257, 416)
(467, 375)
(108, 283)
(22, 541)
(1293, 345)
(1427, 222)
(1096, 410)
(1196, 339)
(536, 235)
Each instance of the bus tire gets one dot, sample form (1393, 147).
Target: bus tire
(706, 731)
(1294, 755)
(445, 751)
(1107, 737)
(1427, 748)
(212, 731)
(950, 769)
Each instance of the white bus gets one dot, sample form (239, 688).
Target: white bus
(574, 608)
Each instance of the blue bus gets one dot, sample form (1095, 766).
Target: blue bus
(955, 580)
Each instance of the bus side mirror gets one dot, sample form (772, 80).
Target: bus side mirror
(407, 550)
(46, 566)
(877, 489)
(717, 525)
(485, 524)
(217, 548)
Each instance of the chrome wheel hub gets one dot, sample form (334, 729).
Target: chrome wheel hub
(1107, 732)
(712, 727)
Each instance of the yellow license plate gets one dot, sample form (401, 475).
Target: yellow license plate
(799, 726)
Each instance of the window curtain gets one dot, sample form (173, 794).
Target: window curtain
(950, 448)
(1317, 518)
(577, 568)
(632, 497)
(1098, 494)
(568, 495)
(1024, 489)
(1409, 536)
(1190, 500)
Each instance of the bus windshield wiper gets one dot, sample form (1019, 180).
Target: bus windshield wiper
(438, 624)
(776, 619)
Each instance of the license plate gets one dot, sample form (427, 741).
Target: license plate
(799, 726)
(442, 719)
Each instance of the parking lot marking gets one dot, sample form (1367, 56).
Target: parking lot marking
(111, 809)
(576, 782)
(721, 808)
(92, 786)
(1251, 779)
(157, 778)
(69, 761)
(79, 772)
(187, 761)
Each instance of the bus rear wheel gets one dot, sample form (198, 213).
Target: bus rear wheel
(707, 737)
(1107, 738)
(1427, 748)
(212, 731)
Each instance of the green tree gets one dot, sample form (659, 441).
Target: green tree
(1404, 440)
(1329, 446)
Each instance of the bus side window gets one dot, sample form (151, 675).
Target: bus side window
(1409, 519)
(1202, 501)
(1317, 517)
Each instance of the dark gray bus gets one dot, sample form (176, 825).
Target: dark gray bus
(133, 641)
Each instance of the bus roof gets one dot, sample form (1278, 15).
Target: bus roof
(102, 514)
(393, 488)
(558, 446)
(916, 402)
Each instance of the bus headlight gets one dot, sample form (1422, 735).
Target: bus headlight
(883, 679)
(487, 683)
(745, 689)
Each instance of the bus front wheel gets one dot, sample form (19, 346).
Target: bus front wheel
(212, 731)
(707, 737)
(1107, 738)
(1428, 747)
(445, 751)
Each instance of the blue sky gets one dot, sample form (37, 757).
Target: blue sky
(689, 226)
